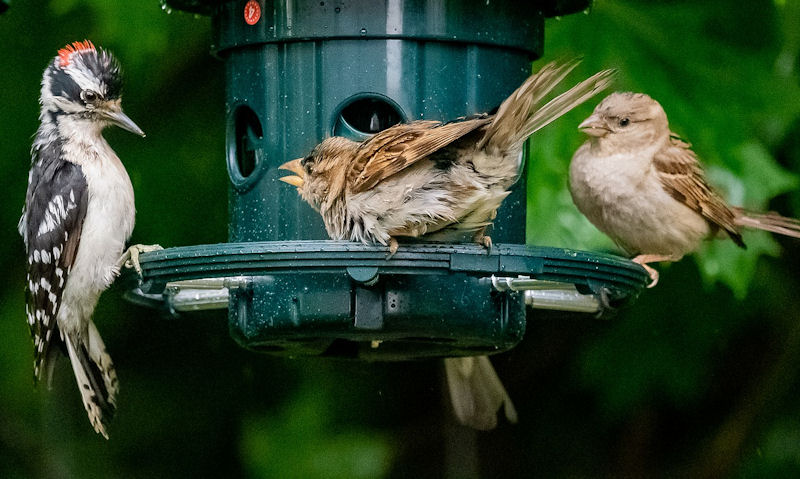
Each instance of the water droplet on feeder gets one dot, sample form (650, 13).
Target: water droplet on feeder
(363, 32)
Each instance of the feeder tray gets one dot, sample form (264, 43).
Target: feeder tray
(343, 299)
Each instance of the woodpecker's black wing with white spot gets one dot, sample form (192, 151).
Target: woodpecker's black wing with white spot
(51, 223)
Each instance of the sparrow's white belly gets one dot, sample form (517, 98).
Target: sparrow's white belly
(625, 200)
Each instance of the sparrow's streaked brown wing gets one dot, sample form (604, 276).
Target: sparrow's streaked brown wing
(400, 146)
(683, 178)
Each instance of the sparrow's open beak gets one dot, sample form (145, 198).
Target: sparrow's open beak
(113, 113)
(594, 126)
(295, 167)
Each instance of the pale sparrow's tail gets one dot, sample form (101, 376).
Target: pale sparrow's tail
(771, 222)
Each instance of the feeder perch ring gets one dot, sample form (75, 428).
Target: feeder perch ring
(345, 299)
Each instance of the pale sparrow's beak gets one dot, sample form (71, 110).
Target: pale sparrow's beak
(295, 167)
(594, 126)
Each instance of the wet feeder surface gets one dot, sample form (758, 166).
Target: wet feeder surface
(343, 299)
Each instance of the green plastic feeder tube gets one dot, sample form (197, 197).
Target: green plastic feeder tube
(300, 71)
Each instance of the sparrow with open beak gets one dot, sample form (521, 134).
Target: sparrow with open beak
(437, 182)
(427, 179)
(641, 185)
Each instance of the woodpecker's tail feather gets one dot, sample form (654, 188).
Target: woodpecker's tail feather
(519, 116)
(96, 376)
(477, 393)
(771, 222)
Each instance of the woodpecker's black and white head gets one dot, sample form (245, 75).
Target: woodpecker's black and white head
(80, 95)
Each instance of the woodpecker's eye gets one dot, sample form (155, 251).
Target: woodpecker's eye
(89, 96)
(623, 122)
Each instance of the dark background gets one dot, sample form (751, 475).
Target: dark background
(698, 378)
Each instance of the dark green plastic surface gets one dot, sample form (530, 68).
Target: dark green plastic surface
(549, 8)
(335, 298)
(292, 76)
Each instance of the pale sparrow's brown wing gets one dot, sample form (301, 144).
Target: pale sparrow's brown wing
(683, 178)
(401, 146)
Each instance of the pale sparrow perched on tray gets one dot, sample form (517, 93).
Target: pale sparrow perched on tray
(437, 182)
(641, 185)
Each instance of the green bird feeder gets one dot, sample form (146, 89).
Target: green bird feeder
(300, 71)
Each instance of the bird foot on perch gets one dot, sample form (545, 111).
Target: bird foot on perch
(130, 258)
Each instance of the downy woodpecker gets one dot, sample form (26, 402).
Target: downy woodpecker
(79, 212)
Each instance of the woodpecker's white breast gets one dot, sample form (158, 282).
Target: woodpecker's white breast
(109, 222)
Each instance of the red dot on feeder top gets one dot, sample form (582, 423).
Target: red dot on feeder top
(252, 12)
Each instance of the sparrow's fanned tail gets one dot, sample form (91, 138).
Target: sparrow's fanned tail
(519, 116)
(96, 376)
(477, 393)
(771, 222)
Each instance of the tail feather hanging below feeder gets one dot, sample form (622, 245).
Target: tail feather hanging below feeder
(477, 392)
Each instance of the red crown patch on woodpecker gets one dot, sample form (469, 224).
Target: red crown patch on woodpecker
(65, 54)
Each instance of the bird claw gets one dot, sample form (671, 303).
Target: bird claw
(130, 258)
(393, 245)
(643, 259)
(486, 241)
(653, 276)
(651, 272)
(111, 275)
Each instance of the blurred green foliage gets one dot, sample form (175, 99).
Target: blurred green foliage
(698, 378)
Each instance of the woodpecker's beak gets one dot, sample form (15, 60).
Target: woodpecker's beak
(594, 126)
(295, 167)
(115, 115)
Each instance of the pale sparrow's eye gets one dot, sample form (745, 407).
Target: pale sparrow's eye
(623, 122)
